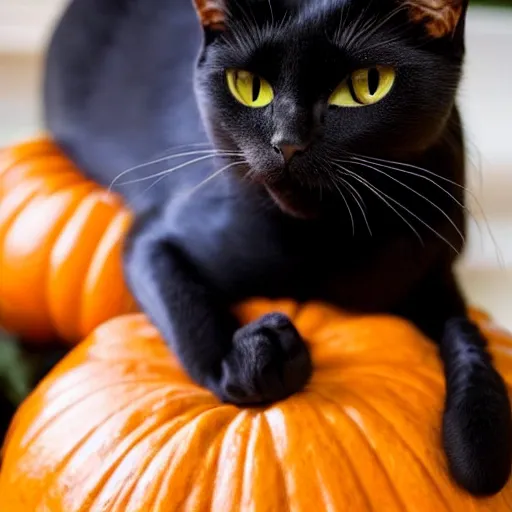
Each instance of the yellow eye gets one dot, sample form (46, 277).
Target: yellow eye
(364, 87)
(250, 90)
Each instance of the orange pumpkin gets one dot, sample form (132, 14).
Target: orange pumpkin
(60, 235)
(119, 427)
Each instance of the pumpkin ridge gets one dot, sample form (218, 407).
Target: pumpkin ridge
(178, 424)
(371, 449)
(89, 203)
(192, 431)
(26, 172)
(278, 458)
(43, 387)
(329, 429)
(210, 467)
(236, 433)
(332, 353)
(304, 482)
(38, 191)
(27, 151)
(91, 315)
(7, 219)
(135, 403)
(43, 176)
(400, 400)
(60, 205)
(125, 492)
(426, 373)
(82, 190)
(406, 445)
(94, 368)
(83, 441)
(265, 425)
(343, 375)
(33, 435)
(22, 199)
(400, 380)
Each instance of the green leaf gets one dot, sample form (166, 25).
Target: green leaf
(16, 369)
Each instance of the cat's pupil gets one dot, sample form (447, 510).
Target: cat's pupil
(256, 88)
(373, 81)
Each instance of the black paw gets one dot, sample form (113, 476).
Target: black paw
(268, 362)
(477, 424)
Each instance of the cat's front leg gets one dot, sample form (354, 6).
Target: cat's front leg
(262, 362)
(477, 422)
(477, 425)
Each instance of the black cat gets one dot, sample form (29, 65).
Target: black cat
(337, 174)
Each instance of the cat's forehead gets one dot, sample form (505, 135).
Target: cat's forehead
(310, 27)
(284, 20)
(301, 4)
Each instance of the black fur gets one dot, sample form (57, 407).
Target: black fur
(120, 91)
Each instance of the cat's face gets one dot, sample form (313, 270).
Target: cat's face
(299, 85)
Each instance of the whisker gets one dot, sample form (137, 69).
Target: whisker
(252, 30)
(415, 174)
(446, 216)
(160, 160)
(273, 21)
(347, 205)
(385, 163)
(381, 195)
(349, 187)
(163, 177)
(354, 193)
(169, 150)
(387, 42)
(427, 171)
(173, 169)
(365, 36)
(428, 226)
(470, 193)
(360, 202)
(214, 175)
(285, 21)
(347, 37)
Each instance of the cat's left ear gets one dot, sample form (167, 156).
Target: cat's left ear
(212, 14)
(441, 18)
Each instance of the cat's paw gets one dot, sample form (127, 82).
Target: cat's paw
(269, 362)
(477, 434)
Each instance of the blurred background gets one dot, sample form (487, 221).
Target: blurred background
(485, 98)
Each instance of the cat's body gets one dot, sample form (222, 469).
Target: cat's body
(120, 93)
(111, 51)
(245, 246)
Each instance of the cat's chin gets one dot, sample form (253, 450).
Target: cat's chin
(293, 203)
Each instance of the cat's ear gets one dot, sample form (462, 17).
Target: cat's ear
(441, 18)
(212, 14)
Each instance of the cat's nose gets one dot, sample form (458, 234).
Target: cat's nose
(288, 151)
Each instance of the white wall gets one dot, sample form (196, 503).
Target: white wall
(24, 24)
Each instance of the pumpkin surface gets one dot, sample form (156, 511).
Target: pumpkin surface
(60, 235)
(118, 426)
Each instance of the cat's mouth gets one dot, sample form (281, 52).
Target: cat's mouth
(292, 200)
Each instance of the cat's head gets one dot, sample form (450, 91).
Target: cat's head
(297, 86)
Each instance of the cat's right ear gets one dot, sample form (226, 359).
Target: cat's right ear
(212, 15)
(441, 18)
